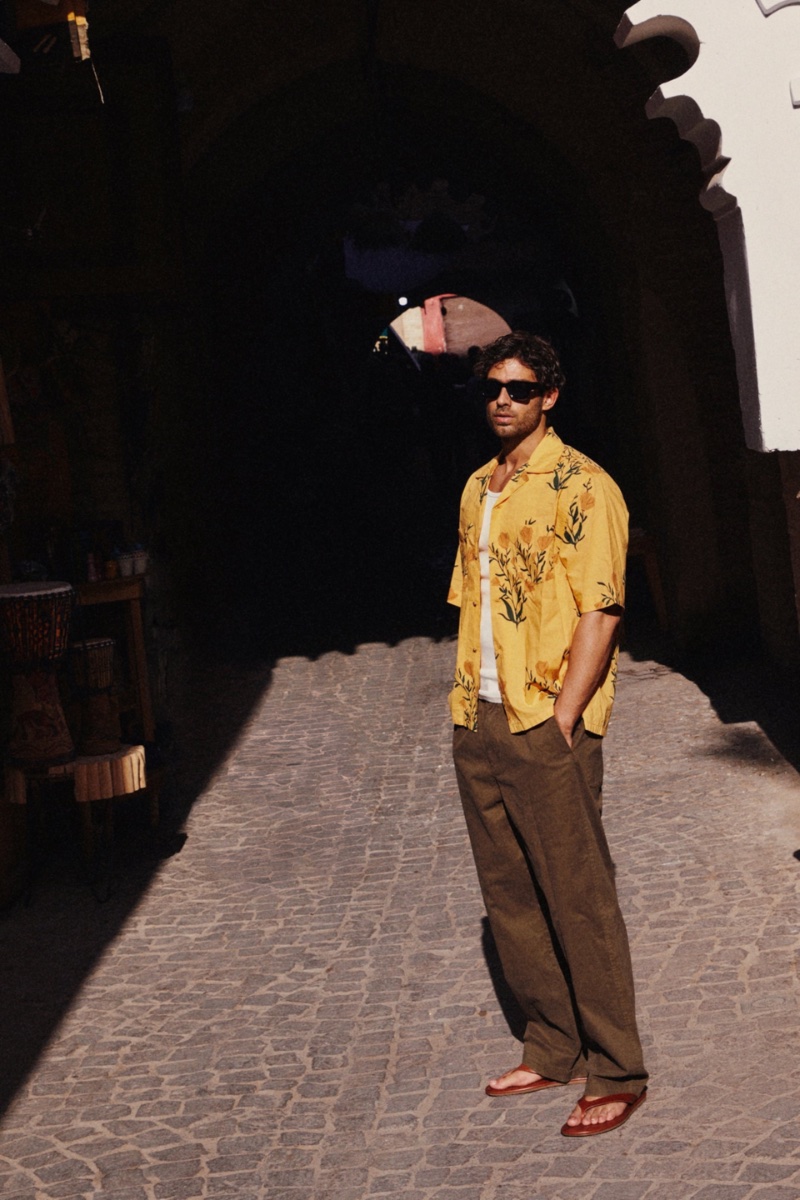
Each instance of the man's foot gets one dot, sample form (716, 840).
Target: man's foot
(600, 1114)
(520, 1080)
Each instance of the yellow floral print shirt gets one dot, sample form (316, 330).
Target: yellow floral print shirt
(557, 546)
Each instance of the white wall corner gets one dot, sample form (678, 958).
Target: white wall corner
(738, 103)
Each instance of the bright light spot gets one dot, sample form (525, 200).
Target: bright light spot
(402, 301)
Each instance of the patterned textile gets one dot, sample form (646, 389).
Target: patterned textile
(558, 540)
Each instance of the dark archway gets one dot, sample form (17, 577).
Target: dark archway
(537, 78)
(341, 491)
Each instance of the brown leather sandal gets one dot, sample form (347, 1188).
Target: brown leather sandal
(519, 1089)
(628, 1098)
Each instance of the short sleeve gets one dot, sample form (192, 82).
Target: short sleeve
(592, 532)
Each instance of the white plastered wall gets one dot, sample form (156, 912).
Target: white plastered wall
(740, 104)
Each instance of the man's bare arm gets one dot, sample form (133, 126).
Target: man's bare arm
(589, 656)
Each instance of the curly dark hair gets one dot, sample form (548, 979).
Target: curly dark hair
(535, 352)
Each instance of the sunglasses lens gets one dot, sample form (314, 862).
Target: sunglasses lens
(519, 390)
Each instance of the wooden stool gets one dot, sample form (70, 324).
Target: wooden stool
(100, 777)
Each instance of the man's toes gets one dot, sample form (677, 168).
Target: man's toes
(516, 1077)
(596, 1116)
(608, 1112)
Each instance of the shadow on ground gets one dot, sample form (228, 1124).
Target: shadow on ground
(56, 929)
(49, 945)
(742, 688)
(515, 1017)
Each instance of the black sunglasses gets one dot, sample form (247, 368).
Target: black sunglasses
(520, 390)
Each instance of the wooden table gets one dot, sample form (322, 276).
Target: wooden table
(127, 590)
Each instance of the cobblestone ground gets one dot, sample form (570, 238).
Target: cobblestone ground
(300, 1005)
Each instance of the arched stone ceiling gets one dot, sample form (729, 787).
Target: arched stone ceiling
(226, 59)
(264, 85)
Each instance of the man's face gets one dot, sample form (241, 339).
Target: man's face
(512, 420)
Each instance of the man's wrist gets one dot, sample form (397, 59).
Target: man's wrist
(565, 718)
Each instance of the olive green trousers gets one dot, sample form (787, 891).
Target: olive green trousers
(533, 811)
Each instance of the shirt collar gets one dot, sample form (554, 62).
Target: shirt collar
(546, 456)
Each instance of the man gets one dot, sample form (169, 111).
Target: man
(540, 583)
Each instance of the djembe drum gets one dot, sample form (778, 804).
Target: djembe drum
(92, 664)
(34, 634)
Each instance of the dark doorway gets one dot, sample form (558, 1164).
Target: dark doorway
(337, 469)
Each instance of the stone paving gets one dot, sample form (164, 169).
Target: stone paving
(304, 1005)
